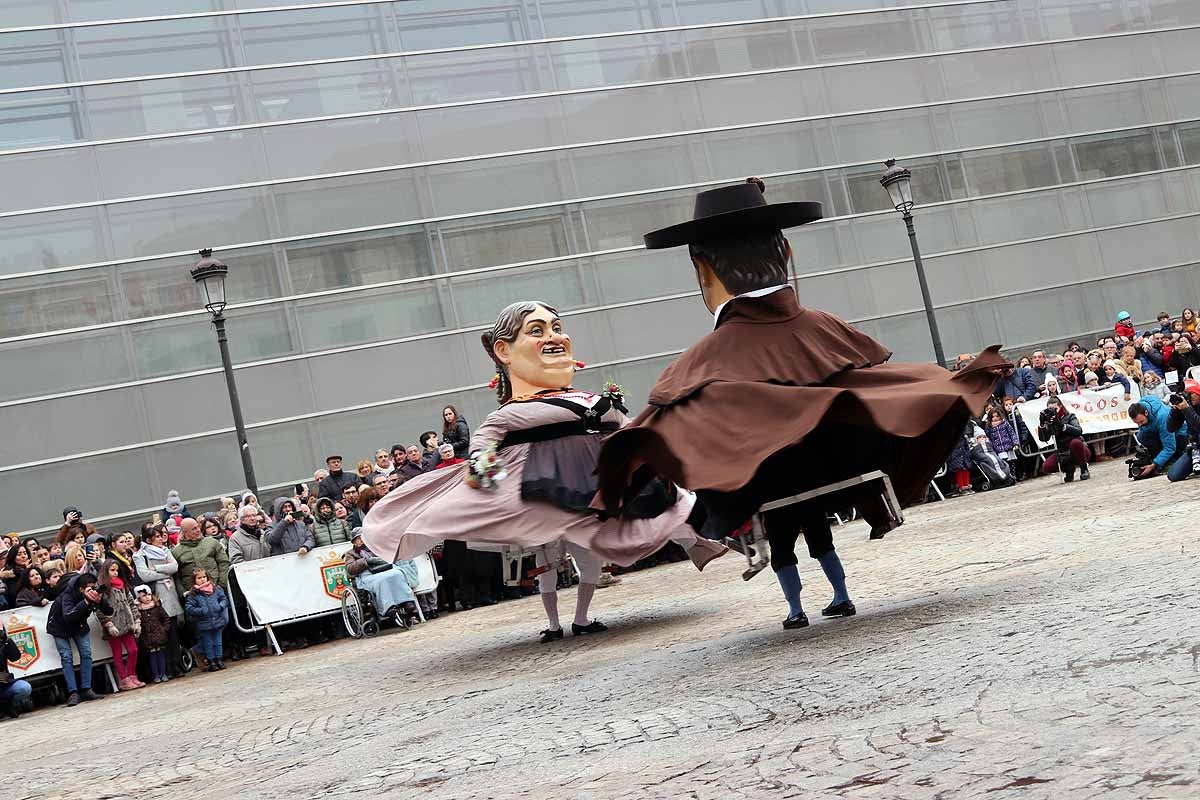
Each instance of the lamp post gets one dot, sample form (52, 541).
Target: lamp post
(210, 274)
(898, 182)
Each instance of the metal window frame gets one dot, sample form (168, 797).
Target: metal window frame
(615, 362)
(559, 148)
(548, 94)
(588, 199)
(275, 301)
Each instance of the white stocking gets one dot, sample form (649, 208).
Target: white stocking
(583, 600)
(550, 602)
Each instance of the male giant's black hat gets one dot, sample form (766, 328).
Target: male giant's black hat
(733, 210)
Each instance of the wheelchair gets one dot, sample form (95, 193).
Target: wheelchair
(362, 618)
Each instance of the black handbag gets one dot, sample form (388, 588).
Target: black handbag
(376, 565)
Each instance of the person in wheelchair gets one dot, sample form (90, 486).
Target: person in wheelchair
(389, 584)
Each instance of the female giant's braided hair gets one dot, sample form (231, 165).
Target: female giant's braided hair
(507, 326)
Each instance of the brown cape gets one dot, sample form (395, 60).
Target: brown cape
(775, 379)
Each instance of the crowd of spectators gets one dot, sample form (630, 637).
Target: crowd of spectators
(164, 596)
(1155, 361)
(164, 591)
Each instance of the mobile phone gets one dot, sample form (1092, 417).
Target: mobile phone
(89, 549)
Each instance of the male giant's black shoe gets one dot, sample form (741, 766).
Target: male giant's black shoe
(843, 609)
(798, 621)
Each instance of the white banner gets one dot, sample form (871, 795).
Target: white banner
(291, 585)
(26, 627)
(1099, 410)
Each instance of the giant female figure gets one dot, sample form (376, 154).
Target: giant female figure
(547, 436)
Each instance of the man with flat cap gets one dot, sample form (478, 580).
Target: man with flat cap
(336, 481)
(793, 398)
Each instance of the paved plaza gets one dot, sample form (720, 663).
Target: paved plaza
(1036, 642)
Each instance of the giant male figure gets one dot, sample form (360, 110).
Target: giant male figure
(780, 399)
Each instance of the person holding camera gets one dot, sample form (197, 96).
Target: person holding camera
(68, 623)
(73, 524)
(1055, 422)
(15, 695)
(1164, 445)
(291, 532)
(1185, 415)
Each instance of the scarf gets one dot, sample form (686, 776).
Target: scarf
(121, 557)
(205, 589)
(155, 553)
(117, 584)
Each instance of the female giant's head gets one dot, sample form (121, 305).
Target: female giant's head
(530, 349)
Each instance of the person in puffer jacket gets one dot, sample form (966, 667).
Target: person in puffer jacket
(208, 610)
(326, 528)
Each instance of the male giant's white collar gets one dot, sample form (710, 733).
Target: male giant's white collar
(753, 293)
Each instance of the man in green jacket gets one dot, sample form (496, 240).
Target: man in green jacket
(196, 551)
(327, 529)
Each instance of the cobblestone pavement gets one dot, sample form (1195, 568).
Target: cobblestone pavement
(1037, 642)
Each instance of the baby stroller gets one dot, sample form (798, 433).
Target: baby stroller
(996, 471)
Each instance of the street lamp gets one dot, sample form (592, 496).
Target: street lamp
(898, 182)
(210, 274)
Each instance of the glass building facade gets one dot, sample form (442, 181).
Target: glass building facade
(382, 177)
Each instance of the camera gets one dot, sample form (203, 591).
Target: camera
(1175, 399)
(1141, 458)
(1047, 416)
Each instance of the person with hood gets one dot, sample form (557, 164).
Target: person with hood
(72, 524)
(174, 506)
(67, 622)
(290, 533)
(1154, 433)
(326, 528)
(1124, 326)
(335, 483)
(197, 551)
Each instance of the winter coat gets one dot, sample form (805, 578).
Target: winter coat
(430, 460)
(28, 597)
(1157, 418)
(208, 612)
(330, 531)
(459, 436)
(960, 456)
(159, 575)
(12, 652)
(1117, 379)
(247, 546)
(69, 614)
(1019, 384)
(1124, 329)
(1182, 362)
(1039, 376)
(409, 470)
(1156, 361)
(333, 485)
(1188, 419)
(124, 615)
(1002, 436)
(1070, 429)
(156, 627)
(208, 554)
(288, 537)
